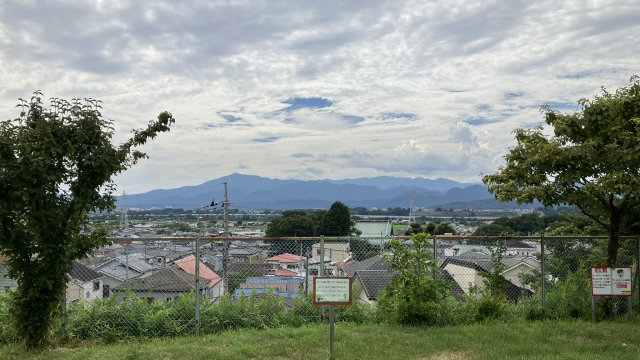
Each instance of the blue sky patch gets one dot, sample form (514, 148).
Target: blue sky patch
(513, 95)
(479, 121)
(265, 140)
(398, 116)
(352, 119)
(231, 118)
(563, 106)
(301, 103)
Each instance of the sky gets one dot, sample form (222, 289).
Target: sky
(315, 90)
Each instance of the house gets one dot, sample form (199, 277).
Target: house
(368, 284)
(515, 247)
(341, 265)
(122, 269)
(314, 267)
(282, 272)
(373, 263)
(466, 273)
(188, 265)
(84, 284)
(335, 251)
(249, 255)
(165, 285)
(286, 261)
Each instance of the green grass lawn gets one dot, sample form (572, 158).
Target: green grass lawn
(399, 226)
(540, 340)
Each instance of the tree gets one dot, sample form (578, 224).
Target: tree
(444, 228)
(336, 222)
(238, 278)
(56, 165)
(591, 161)
(415, 228)
(291, 223)
(492, 230)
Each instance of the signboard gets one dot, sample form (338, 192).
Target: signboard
(607, 281)
(331, 290)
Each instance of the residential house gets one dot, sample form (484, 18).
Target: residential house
(515, 247)
(122, 269)
(188, 265)
(373, 263)
(341, 265)
(466, 273)
(314, 267)
(286, 261)
(335, 251)
(249, 255)
(165, 285)
(84, 284)
(368, 284)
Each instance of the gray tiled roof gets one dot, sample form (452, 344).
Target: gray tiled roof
(374, 263)
(169, 279)
(83, 273)
(373, 281)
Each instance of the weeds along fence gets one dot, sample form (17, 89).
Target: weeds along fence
(156, 287)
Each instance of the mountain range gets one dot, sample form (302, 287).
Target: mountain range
(255, 192)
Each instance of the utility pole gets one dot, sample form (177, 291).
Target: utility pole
(225, 245)
(412, 214)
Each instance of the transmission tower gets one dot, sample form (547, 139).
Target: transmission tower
(226, 244)
(412, 213)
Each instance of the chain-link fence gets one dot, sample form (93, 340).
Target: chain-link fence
(187, 286)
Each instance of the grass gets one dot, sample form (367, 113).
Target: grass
(522, 340)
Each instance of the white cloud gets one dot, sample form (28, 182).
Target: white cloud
(425, 88)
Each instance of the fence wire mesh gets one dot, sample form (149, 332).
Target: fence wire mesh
(169, 287)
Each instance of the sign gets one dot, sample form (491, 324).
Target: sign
(607, 281)
(331, 290)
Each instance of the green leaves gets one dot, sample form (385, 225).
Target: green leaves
(591, 161)
(53, 164)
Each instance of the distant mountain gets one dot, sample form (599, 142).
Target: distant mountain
(255, 192)
(387, 182)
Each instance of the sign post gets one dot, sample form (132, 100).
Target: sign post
(332, 290)
(606, 281)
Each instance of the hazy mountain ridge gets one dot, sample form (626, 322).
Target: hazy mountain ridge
(255, 192)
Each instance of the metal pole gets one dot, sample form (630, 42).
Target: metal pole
(638, 268)
(63, 319)
(321, 271)
(331, 330)
(542, 274)
(197, 286)
(225, 244)
(630, 307)
(593, 309)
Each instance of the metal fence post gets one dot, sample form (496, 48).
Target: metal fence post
(63, 318)
(197, 293)
(638, 267)
(321, 270)
(542, 273)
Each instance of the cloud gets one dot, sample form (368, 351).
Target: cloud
(242, 166)
(369, 88)
(302, 155)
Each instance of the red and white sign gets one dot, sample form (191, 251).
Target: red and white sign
(611, 282)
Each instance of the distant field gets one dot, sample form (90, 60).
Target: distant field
(539, 340)
(399, 227)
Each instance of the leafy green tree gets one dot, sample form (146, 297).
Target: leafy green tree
(415, 228)
(430, 228)
(56, 165)
(336, 222)
(591, 162)
(444, 228)
(291, 223)
(413, 290)
(492, 230)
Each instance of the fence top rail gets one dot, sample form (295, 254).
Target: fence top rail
(334, 238)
